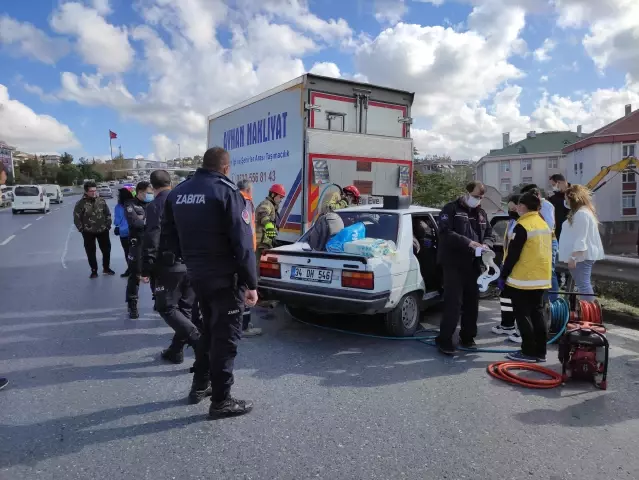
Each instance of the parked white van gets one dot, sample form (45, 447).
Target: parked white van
(54, 192)
(30, 197)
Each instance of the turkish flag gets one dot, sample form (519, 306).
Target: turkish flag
(112, 135)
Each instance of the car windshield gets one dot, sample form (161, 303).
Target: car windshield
(378, 225)
(27, 192)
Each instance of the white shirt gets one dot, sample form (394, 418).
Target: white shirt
(581, 236)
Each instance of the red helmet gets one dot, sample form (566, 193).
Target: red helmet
(352, 190)
(278, 189)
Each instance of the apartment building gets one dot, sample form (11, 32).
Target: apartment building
(531, 160)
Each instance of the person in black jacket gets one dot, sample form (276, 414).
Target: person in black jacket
(209, 220)
(464, 232)
(135, 213)
(559, 186)
(174, 296)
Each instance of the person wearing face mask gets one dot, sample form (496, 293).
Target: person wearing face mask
(92, 218)
(559, 186)
(135, 213)
(527, 271)
(464, 232)
(208, 219)
(507, 325)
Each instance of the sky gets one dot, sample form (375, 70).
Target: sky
(153, 70)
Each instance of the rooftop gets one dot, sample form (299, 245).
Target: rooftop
(543, 142)
(624, 129)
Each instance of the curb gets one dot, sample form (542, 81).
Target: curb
(620, 319)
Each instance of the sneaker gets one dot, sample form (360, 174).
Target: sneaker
(515, 338)
(3, 383)
(520, 357)
(108, 271)
(230, 407)
(541, 359)
(468, 344)
(199, 391)
(173, 355)
(94, 274)
(445, 348)
(251, 332)
(499, 330)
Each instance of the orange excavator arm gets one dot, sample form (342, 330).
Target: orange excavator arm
(628, 163)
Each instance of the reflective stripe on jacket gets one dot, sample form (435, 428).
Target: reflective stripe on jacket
(533, 268)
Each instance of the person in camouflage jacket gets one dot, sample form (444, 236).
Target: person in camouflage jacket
(92, 218)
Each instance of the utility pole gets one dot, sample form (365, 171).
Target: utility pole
(179, 156)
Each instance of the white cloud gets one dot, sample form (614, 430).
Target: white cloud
(25, 39)
(543, 78)
(390, 11)
(98, 42)
(328, 69)
(36, 90)
(101, 6)
(541, 54)
(23, 128)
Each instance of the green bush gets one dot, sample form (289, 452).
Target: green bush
(620, 291)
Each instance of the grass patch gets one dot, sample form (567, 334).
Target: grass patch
(613, 305)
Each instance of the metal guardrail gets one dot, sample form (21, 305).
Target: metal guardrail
(614, 268)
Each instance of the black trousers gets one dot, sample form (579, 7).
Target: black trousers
(124, 241)
(222, 311)
(529, 312)
(104, 242)
(507, 310)
(461, 299)
(134, 260)
(174, 300)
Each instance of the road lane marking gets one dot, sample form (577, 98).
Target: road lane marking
(26, 226)
(39, 218)
(63, 257)
(56, 209)
(8, 239)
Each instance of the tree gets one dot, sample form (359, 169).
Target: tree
(415, 153)
(31, 170)
(67, 175)
(66, 159)
(437, 189)
(197, 160)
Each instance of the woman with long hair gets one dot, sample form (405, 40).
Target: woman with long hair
(121, 226)
(580, 242)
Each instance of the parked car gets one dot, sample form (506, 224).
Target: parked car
(54, 192)
(30, 197)
(105, 192)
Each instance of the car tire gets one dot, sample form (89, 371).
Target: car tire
(404, 319)
(43, 210)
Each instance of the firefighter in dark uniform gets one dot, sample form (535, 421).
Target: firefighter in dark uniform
(207, 216)
(174, 297)
(135, 213)
(464, 231)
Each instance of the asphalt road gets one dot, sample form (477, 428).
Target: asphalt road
(89, 397)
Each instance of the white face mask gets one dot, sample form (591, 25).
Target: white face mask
(566, 204)
(555, 189)
(472, 202)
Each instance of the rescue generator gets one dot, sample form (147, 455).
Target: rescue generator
(583, 346)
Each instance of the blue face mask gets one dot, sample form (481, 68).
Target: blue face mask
(149, 197)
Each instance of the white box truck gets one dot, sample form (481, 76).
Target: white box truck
(313, 135)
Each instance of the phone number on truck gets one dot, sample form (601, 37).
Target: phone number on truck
(255, 177)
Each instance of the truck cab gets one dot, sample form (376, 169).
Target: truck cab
(397, 286)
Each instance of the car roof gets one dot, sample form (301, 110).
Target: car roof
(402, 211)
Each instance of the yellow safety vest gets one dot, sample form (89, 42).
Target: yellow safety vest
(533, 269)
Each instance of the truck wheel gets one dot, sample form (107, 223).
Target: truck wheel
(403, 321)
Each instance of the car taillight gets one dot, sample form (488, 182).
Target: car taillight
(354, 279)
(270, 269)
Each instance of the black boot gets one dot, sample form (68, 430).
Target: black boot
(125, 274)
(133, 309)
(200, 389)
(175, 352)
(231, 407)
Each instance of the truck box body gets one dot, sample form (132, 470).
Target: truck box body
(314, 134)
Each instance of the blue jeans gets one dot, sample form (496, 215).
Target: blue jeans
(554, 281)
(581, 275)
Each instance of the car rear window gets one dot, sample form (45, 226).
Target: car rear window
(26, 192)
(378, 225)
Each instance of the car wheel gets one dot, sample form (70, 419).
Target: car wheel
(43, 210)
(403, 321)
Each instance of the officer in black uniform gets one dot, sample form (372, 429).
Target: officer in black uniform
(135, 213)
(174, 297)
(463, 229)
(207, 216)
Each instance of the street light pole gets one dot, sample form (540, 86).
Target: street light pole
(179, 156)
